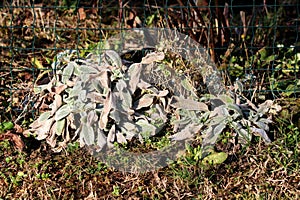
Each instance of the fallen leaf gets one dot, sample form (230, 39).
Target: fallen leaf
(14, 138)
(18, 128)
(82, 14)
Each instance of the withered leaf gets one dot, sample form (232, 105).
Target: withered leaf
(17, 141)
(82, 14)
(51, 137)
(120, 138)
(18, 128)
(59, 89)
(104, 79)
(145, 101)
(153, 57)
(56, 103)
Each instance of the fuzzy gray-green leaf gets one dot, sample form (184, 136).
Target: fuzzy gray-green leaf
(239, 85)
(219, 128)
(60, 125)
(262, 133)
(67, 73)
(101, 139)
(62, 112)
(88, 134)
(262, 125)
(87, 69)
(114, 58)
(44, 116)
(226, 99)
(188, 104)
(235, 108)
(146, 129)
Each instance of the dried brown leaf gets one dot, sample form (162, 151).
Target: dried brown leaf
(153, 57)
(145, 101)
(14, 138)
(51, 139)
(18, 128)
(104, 79)
(59, 89)
(43, 131)
(56, 103)
(82, 14)
(143, 85)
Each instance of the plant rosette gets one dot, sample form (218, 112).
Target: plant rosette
(104, 100)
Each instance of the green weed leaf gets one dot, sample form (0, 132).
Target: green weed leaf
(6, 126)
(215, 158)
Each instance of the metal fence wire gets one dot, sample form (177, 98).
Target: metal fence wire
(256, 42)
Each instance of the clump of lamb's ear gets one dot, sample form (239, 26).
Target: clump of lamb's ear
(97, 101)
(77, 87)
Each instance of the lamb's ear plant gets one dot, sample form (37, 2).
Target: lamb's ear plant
(245, 119)
(98, 101)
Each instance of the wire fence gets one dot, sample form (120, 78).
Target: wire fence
(256, 42)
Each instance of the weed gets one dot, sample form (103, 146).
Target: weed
(4, 126)
(116, 191)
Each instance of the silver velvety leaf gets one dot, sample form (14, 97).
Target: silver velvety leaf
(262, 133)
(188, 104)
(111, 136)
(62, 112)
(188, 132)
(68, 71)
(87, 134)
(101, 139)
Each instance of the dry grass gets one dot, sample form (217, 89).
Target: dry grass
(259, 171)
